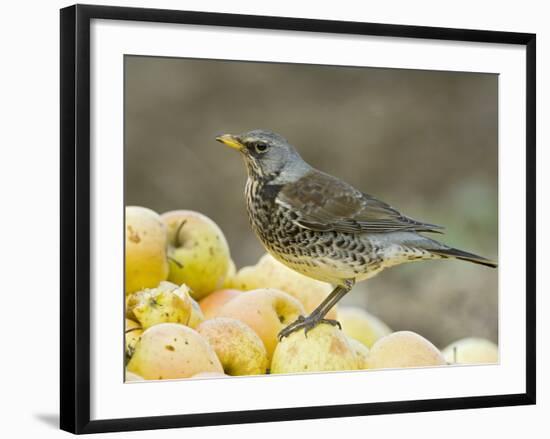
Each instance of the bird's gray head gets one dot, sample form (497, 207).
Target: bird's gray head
(267, 155)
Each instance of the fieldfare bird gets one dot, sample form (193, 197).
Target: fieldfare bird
(324, 228)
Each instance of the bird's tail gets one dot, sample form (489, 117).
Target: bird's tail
(464, 256)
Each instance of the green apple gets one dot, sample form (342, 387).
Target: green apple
(146, 263)
(198, 252)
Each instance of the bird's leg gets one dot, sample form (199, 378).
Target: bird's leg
(319, 313)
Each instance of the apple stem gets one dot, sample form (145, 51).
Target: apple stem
(175, 261)
(177, 240)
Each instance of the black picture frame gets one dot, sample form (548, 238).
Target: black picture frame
(75, 217)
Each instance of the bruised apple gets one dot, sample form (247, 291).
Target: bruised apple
(239, 348)
(198, 251)
(325, 348)
(172, 350)
(166, 303)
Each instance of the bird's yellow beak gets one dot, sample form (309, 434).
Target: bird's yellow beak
(231, 141)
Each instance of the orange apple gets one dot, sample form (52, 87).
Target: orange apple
(211, 304)
(266, 311)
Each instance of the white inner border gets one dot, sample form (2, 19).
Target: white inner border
(110, 40)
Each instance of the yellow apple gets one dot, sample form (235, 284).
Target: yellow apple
(167, 303)
(239, 348)
(325, 348)
(198, 252)
(403, 349)
(361, 325)
(361, 352)
(146, 263)
(266, 311)
(211, 304)
(471, 350)
(172, 350)
(270, 273)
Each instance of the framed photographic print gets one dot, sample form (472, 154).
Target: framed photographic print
(242, 198)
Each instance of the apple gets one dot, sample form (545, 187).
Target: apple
(146, 263)
(132, 334)
(361, 352)
(170, 351)
(403, 349)
(239, 349)
(361, 325)
(325, 348)
(129, 376)
(266, 311)
(471, 350)
(198, 252)
(211, 304)
(270, 273)
(166, 303)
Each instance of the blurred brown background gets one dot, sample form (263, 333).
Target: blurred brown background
(423, 141)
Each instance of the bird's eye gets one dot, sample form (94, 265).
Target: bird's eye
(260, 147)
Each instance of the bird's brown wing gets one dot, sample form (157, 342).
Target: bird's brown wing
(321, 202)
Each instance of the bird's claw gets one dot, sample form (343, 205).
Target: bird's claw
(307, 323)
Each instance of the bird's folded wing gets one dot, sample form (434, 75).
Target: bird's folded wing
(320, 202)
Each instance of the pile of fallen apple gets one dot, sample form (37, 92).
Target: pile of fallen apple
(191, 314)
